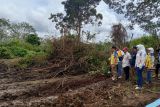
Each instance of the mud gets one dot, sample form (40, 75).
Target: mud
(40, 88)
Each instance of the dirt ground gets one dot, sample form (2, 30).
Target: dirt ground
(41, 88)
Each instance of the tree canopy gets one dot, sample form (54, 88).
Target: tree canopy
(15, 30)
(144, 12)
(78, 14)
(119, 35)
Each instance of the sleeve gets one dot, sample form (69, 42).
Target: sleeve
(129, 55)
(146, 62)
(136, 61)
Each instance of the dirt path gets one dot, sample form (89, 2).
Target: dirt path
(74, 91)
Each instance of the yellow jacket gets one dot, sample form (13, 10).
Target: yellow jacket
(148, 62)
(114, 59)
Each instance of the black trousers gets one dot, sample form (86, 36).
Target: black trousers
(157, 69)
(126, 71)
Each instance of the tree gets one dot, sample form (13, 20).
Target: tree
(33, 39)
(18, 30)
(4, 29)
(119, 35)
(89, 35)
(21, 30)
(144, 12)
(78, 14)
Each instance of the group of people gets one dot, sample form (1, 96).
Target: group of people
(133, 63)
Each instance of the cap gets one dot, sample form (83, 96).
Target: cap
(125, 49)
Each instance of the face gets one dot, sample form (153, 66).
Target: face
(148, 51)
(134, 50)
(112, 49)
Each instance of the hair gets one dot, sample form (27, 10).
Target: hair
(114, 47)
(134, 47)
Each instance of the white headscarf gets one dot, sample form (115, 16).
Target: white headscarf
(141, 56)
(141, 48)
(151, 50)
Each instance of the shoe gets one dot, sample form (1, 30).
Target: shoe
(136, 85)
(113, 79)
(148, 82)
(119, 77)
(138, 88)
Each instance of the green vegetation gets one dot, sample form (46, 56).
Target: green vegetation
(33, 39)
(78, 14)
(5, 53)
(148, 41)
(28, 53)
(20, 41)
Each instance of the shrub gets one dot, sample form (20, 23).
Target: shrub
(33, 39)
(18, 51)
(5, 53)
(147, 41)
(33, 59)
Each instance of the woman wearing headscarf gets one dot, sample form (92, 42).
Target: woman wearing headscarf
(140, 64)
(149, 63)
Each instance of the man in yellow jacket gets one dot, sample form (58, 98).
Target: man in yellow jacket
(149, 64)
(114, 62)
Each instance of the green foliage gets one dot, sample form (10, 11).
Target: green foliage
(21, 30)
(135, 11)
(106, 69)
(5, 53)
(148, 41)
(33, 59)
(28, 54)
(18, 51)
(4, 29)
(33, 39)
(10, 30)
(78, 14)
(98, 54)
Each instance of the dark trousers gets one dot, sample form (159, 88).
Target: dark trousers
(157, 70)
(126, 71)
(149, 75)
(139, 75)
(119, 70)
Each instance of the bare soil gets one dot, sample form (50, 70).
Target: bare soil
(41, 88)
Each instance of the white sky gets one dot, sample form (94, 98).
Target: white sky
(37, 12)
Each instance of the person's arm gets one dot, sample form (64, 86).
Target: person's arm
(143, 59)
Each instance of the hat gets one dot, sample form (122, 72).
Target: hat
(125, 49)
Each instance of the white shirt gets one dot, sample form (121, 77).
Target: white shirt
(141, 56)
(140, 59)
(126, 59)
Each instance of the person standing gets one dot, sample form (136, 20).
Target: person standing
(119, 66)
(133, 60)
(157, 65)
(140, 64)
(126, 63)
(149, 63)
(114, 62)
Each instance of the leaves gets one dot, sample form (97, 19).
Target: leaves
(78, 13)
(14, 30)
(143, 12)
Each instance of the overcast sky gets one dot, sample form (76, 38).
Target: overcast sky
(37, 12)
